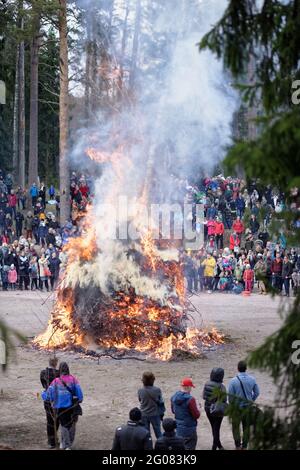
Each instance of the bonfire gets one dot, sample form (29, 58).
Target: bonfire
(122, 296)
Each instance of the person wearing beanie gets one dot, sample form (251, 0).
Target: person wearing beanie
(186, 412)
(133, 435)
(169, 441)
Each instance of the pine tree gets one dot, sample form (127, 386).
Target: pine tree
(270, 34)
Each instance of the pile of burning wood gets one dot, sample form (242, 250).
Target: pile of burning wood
(141, 309)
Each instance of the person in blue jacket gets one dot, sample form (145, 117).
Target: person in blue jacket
(186, 413)
(61, 394)
(34, 192)
(244, 389)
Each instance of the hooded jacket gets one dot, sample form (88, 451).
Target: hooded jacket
(59, 395)
(186, 413)
(216, 381)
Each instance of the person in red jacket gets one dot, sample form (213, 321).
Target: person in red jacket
(219, 233)
(12, 203)
(238, 226)
(211, 227)
(248, 278)
(84, 189)
(235, 242)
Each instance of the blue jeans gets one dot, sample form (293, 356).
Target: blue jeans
(155, 421)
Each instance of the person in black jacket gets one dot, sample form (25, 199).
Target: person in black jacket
(133, 435)
(287, 271)
(254, 225)
(23, 271)
(216, 381)
(47, 376)
(54, 263)
(169, 441)
(19, 224)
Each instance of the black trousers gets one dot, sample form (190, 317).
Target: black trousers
(215, 423)
(34, 283)
(24, 279)
(286, 283)
(52, 423)
(219, 242)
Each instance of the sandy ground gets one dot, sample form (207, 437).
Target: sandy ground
(110, 386)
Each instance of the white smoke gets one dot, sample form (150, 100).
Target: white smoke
(180, 123)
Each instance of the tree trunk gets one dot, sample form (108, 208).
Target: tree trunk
(111, 15)
(21, 131)
(33, 119)
(123, 49)
(87, 92)
(16, 119)
(135, 46)
(94, 72)
(64, 177)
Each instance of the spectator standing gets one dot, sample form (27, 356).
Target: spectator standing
(42, 194)
(186, 412)
(235, 242)
(12, 203)
(242, 390)
(60, 394)
(150, 398)
(209, 271)
(29, 224)
(277, 273)
(287, 270)
(133, 435)
(19, 224)
(9, 183)
(12, 277)
(260, 270)
(42, 233)
(46, 377)
(248, 278)
(238, 227)
(51, 192)
(169, 441)
(34, 194)
(254, 225)
(240, 206)
(219, 233)
(23, 271)
(215, 420)
(34, 273)
(3, 201)
(44, 272)
(54, 264)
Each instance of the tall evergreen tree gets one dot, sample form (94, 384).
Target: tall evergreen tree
(271, 34)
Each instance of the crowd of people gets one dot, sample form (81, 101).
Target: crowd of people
(31, 238)
(62, 396)
(239, 250)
